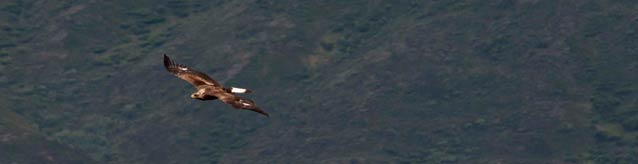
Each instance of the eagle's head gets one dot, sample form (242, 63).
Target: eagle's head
(196, 96)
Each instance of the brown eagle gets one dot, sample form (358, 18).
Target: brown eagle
(209, 89)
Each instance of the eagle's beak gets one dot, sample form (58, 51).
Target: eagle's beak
(193, 96)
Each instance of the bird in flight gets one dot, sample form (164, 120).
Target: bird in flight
(209, 89)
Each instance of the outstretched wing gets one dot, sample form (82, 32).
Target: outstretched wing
(194, 77)
(242, 103)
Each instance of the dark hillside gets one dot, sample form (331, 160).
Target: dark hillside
(463, 81)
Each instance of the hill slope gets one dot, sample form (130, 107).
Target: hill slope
(345, 82)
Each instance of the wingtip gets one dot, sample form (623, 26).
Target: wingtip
(262, 112)
(167, 61)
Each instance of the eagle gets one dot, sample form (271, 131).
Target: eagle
(209, 89)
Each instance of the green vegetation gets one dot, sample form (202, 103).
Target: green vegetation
(374, 81)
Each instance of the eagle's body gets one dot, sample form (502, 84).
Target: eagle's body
(207, 92)
(209, 89)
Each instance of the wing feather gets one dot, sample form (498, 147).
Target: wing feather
(192, 76)
(242, 103)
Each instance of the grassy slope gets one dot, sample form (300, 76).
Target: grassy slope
(371, 81)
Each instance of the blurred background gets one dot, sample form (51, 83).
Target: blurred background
(359, 81)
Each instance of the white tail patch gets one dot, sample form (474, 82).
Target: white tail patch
(238, 90)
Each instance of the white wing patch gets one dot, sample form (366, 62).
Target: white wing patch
(245, 104)
(238, 90)
(183, 69)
